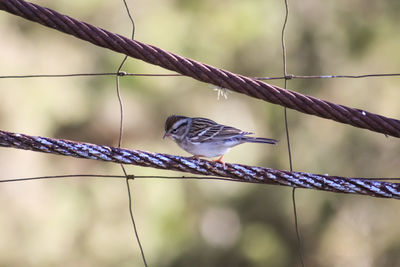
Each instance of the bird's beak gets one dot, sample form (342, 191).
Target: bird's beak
(165, 135)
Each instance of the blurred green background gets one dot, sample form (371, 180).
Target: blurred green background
(85, 222)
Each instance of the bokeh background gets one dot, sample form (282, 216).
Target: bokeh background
(85, 222)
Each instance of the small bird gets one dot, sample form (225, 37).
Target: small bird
(205, 138)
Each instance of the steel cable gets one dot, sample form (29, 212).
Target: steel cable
(239, 172)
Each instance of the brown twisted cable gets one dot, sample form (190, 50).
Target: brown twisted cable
(151, 54)
(236, 172)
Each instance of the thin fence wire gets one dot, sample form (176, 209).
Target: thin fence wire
(286, 76)
(122, 73)
(121, 129)
(130, 177)
(146, 177)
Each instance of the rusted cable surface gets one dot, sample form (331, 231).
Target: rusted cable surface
(203, 72)
(202, 167)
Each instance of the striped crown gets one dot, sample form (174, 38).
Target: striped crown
(171, 121)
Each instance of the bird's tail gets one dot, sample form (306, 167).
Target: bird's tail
(261, 140)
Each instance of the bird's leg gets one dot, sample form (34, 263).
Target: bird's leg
(219, 160)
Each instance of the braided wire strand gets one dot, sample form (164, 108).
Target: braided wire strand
(251, 174)
(203, 72)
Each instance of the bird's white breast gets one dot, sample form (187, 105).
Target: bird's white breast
(208, 150)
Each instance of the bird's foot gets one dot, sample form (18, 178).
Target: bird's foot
(219, 160)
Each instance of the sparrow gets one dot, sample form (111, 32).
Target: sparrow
(203, 137)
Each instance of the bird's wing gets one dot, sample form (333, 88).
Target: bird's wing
(203, 130)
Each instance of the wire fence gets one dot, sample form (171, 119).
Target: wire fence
(251, 86)
(200, 71)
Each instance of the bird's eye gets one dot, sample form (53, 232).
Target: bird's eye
(174, 131)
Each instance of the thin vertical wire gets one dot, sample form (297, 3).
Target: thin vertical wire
(288, 135)
(121, 109)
